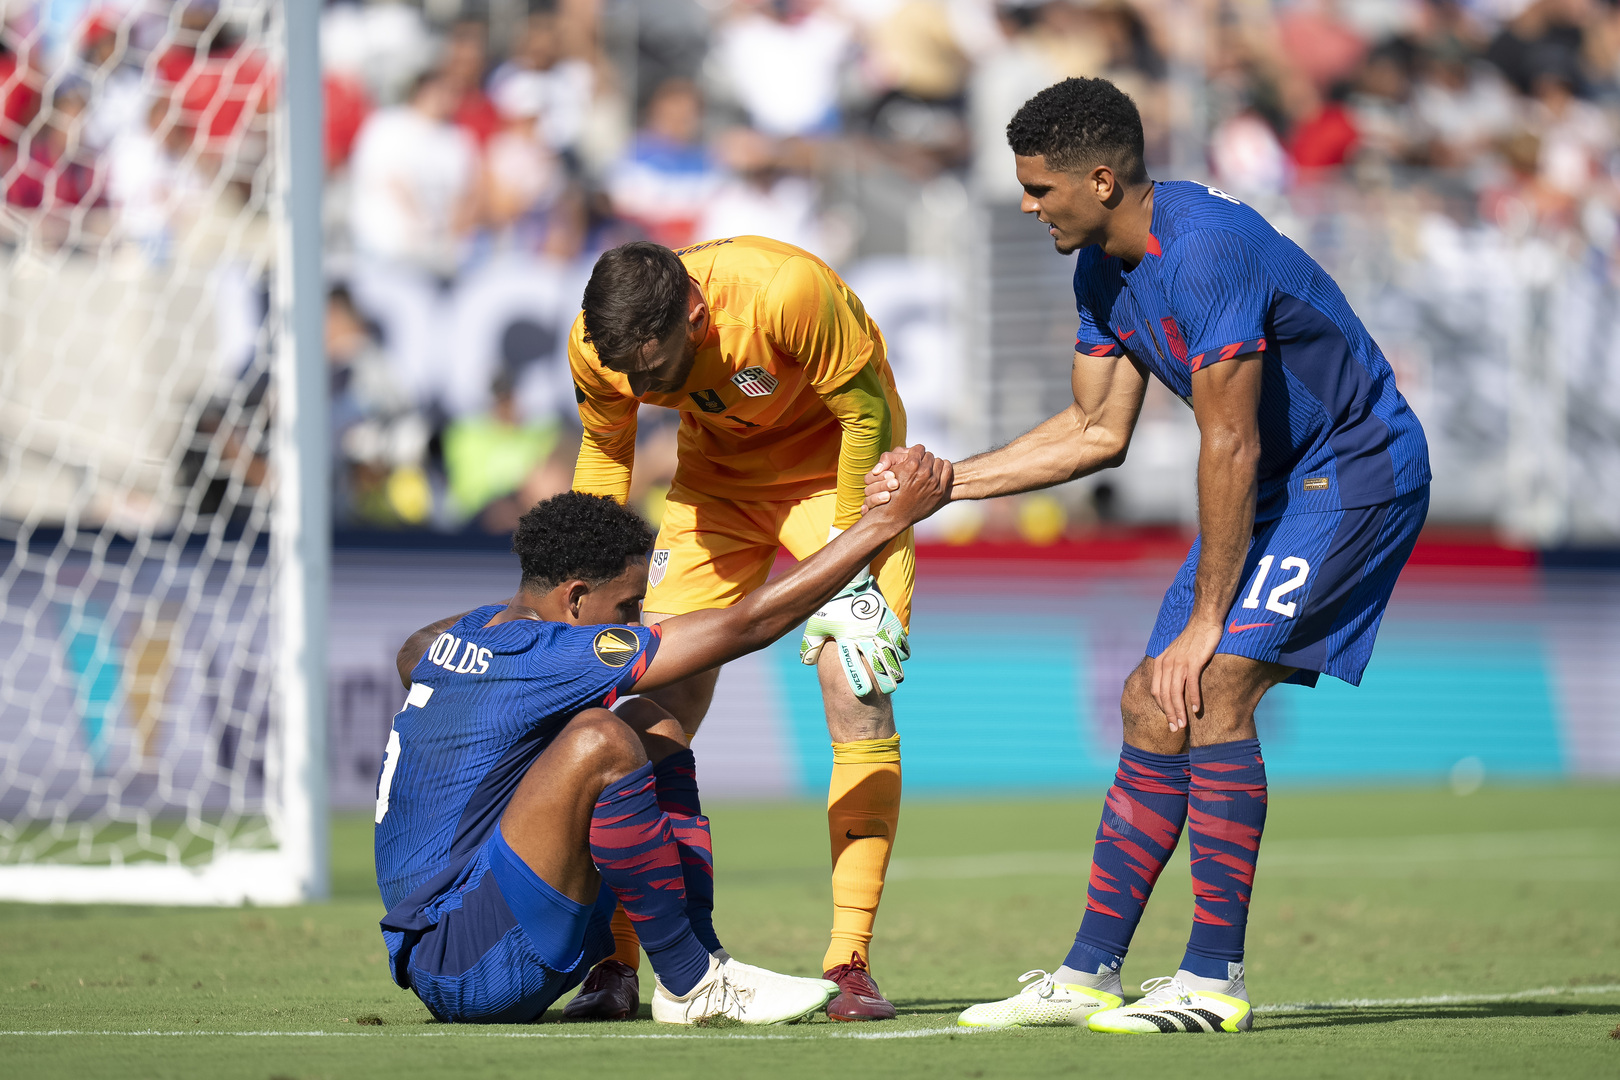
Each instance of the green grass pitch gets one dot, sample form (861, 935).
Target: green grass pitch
(1477, 936)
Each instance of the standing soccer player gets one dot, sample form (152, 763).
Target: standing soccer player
(1313, 481)
(786, 401)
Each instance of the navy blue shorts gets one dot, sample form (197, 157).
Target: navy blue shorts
(506, 945)
(1314, 588)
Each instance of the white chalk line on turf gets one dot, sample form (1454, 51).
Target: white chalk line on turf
(474, 1033)
(1281, 1008)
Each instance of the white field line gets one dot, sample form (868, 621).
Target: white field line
(1562, 854)
(474, 1033)
(1282, 1008)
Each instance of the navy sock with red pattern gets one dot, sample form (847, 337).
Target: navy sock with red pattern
(1141, 821)
(634, 848)
(1227, 814)
(676, 776)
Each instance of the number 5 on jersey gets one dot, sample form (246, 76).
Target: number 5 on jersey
(418, 697)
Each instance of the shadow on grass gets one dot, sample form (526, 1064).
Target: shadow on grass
(1395, 1014)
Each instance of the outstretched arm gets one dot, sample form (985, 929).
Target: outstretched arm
(1090, 435)
(703, 639)
(1226, 403)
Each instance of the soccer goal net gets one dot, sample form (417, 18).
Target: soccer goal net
(161, 494)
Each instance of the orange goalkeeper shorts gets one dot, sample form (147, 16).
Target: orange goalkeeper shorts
(711, 554)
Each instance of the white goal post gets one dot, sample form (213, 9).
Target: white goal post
(164, 484)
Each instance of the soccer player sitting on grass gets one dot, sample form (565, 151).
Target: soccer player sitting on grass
(1313, 481)
(515, 810)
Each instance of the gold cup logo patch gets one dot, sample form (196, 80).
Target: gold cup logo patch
(616, 647)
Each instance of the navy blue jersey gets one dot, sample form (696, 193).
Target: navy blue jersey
(485, 701)
(1217, 282)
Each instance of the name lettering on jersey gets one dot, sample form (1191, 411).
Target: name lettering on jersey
(615, 647)
(709, 400)
(1219, 194)
(703, 246)
(755, 382)
(460, 657)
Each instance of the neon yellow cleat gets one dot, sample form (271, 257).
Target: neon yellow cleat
(1181, 1003)
(1046, 1003)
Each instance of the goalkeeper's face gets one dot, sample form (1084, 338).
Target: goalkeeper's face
(664, 366)
(615, 601)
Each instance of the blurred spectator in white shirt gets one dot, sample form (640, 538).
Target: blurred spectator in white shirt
(151, 183)
(556, 47)
(117, 99)
(667, 180)
(1576, 137)
(780, 60)
(413, 200)
(760, 197)
(1464, 105)
(413, 180)
(528, 198)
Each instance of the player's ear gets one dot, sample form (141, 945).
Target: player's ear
(574, 594)
(1103, 183)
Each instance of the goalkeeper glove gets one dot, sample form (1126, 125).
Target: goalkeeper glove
(860, 623)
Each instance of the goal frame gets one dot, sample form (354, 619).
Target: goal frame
(296, 870)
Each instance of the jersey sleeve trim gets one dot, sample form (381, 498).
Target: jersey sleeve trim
(637, 667)
(1098, 348)
(1226, 352)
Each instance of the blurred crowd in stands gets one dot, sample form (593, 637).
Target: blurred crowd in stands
(481, 153)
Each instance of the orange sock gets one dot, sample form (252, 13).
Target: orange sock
(626, 946)
(863, 810)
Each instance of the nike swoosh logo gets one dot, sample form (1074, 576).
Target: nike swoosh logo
(875, 836)
(1126, 335)
(1236, 629)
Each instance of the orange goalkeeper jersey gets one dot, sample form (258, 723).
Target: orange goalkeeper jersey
(773, 409)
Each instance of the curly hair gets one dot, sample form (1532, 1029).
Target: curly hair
(637, 293)
(1080, 123)
(575, 536)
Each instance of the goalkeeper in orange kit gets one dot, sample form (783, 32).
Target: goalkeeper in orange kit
(786, 401)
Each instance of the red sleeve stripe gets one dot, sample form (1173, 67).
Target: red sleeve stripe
(1103, 349)
(1226, 352)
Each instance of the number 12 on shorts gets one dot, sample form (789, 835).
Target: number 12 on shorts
(1275, 602)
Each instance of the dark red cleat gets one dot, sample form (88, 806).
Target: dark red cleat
(858, 996)
(612, 991)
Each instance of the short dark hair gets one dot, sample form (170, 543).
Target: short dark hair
(637, 294)
(575, 536)
(1080, 123)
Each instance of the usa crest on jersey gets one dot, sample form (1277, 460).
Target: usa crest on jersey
(755, 381)
(656, 568)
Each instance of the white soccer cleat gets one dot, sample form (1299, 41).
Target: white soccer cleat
(1181, 1002)
(742, 993)
(1047, 1003)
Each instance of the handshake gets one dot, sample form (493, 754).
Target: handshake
(907, 483)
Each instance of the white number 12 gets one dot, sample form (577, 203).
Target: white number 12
(1275, 602)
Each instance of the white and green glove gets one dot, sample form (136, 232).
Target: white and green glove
(862, 626)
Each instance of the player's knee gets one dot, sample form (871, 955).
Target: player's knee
(1136, 705)
(603, 740)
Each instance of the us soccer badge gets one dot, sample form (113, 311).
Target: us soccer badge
(657, 567)
(755, 382)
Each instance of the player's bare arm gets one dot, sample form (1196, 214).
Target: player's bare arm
(704, 639)
(1090, 435)
(1226, 402)
(701, 640)
(411, 652)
